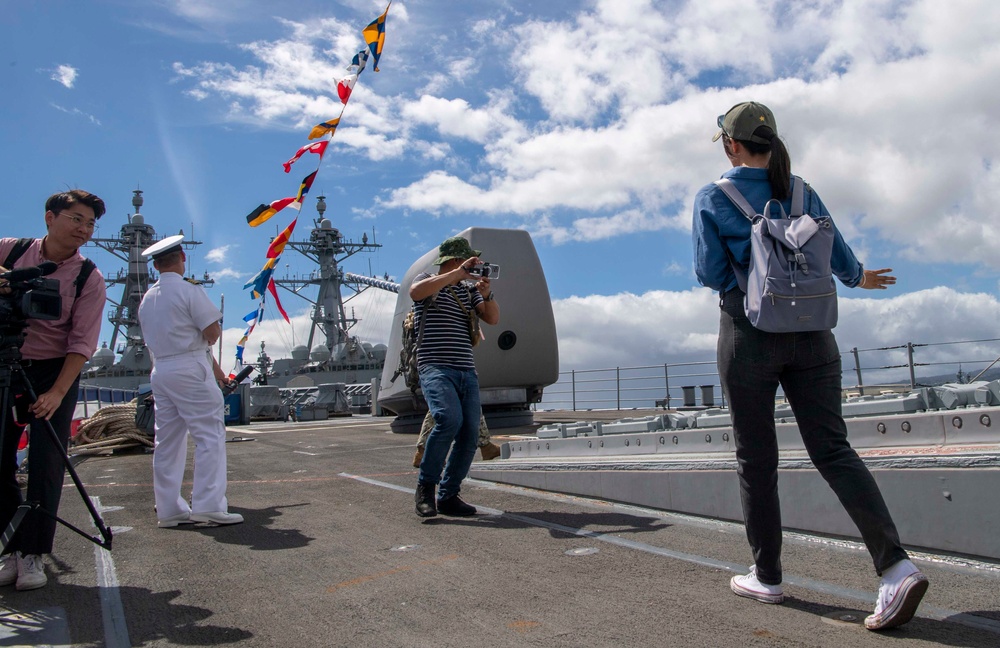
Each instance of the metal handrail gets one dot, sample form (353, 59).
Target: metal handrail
(611, 387)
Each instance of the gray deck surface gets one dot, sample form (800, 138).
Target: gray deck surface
(331, 554)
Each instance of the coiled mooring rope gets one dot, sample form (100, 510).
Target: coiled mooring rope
(110, 428)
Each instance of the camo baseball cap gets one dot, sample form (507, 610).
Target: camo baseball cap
(742, 121)
(455, 248)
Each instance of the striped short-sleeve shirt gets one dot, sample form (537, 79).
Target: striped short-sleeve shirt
(446, 331)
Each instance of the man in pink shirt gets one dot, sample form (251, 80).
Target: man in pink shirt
(53, 353)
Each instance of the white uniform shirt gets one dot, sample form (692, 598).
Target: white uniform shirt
(173, 314)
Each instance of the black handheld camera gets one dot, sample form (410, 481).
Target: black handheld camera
(487, 270)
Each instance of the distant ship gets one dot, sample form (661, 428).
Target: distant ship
(332, 355)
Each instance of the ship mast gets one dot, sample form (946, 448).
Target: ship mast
(135, 279)
(327, 248)
(135, 237)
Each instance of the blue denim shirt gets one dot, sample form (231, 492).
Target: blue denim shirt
(721, 232)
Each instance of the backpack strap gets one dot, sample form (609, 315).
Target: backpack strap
(81, 279)
(429, 302)
(16, 252)
(470, 313)
(22, 245)
(460, 304)
(798, 191)
(736, 197)
(798, 197)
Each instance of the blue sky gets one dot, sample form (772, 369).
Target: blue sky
(587, 123)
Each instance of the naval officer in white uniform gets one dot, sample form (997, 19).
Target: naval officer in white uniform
(180, 324)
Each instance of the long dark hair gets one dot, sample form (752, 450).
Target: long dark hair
(779, 167)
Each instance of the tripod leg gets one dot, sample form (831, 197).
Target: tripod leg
(57, 446)
(5, 442)
(8, 533)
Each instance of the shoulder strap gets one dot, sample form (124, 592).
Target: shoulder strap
(798, 198)
(429, 302)
(741, 203)
(734, 195)
(16, 252)
(22, 246)
(460, 304)
(81, 279)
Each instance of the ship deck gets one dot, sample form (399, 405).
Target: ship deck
(331, 554)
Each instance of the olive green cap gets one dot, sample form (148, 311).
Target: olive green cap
(742, 121)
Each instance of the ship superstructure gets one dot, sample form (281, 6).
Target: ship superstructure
(332, 354)
(125, 362)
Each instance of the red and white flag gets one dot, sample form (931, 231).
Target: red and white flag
(345, 86)
(316, 147)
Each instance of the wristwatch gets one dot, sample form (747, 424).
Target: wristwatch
(488, 297)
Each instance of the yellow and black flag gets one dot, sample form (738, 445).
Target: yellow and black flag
(374, 35)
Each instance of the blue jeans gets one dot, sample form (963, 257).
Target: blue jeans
(452, 396)
(752, 363)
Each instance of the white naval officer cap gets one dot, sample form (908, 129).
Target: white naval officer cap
(164, 246)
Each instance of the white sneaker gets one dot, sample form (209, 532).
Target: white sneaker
(219, 517)
(31, 572)
(899, 594)
(750, 587)
(8, 572)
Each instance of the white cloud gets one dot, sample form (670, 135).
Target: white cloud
(451, 117)
(227, 273)
(76, 112)
(600, 126)
(863, 118)
(294, 79)
(628, 330)
(600, 228)
(65, 74)
(207, 12)
(217, 255)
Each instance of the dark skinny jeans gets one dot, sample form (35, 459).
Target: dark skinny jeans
(752, 363)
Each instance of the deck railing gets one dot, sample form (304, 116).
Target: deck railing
(696, 383)
(91, 399)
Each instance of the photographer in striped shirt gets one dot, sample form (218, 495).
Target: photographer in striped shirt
(447, 371)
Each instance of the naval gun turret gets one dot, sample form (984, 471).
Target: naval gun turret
(520, 355)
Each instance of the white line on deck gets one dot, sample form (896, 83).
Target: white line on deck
(926, 611)
(112, 611)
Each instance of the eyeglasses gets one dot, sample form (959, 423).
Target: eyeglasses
(79, 220)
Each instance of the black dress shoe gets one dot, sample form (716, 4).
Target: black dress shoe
(454, 506)
(425, 500)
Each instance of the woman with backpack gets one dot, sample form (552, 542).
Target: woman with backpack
(805, 363)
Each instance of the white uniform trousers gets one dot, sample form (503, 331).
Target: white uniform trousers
(188, 400)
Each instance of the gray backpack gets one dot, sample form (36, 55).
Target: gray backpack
(790, 286)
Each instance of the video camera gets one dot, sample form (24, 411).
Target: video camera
(30, 296)
(487, 270)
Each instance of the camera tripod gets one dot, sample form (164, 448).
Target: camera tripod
(12, 375)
